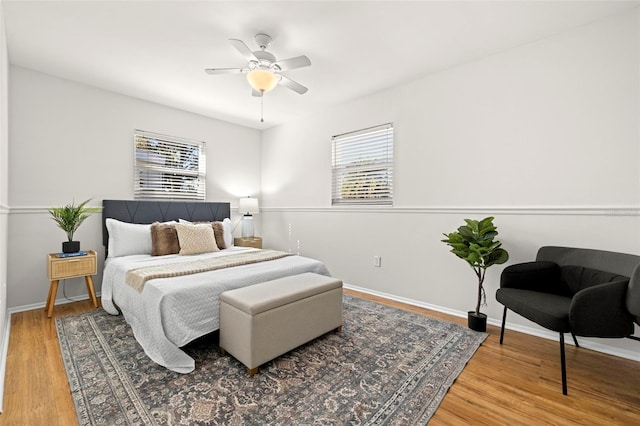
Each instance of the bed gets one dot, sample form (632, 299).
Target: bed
(168, 313)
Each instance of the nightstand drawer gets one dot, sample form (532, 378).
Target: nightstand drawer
(70, 267)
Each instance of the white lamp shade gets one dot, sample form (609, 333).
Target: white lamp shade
(248, 205)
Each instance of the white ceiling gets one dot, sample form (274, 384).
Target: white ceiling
(158, 50)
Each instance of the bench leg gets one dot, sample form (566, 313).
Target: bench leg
(222, 352)
(339, 329)
(252, 371)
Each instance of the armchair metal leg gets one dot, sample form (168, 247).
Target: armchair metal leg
(504, 318)
(575, 340)
(563, 365)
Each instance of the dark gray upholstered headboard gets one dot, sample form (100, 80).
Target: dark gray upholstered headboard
(134, 211)
(624, 264)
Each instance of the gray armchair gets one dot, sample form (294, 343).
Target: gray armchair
(591, 293)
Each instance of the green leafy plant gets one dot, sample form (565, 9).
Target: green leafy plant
(71, 216)
(474, 243)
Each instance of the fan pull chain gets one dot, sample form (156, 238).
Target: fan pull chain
(262, 108)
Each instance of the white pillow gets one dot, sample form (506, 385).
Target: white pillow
(228, 232)
(128, 238)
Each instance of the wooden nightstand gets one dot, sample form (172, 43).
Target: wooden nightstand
(255, 242)
(59, 268)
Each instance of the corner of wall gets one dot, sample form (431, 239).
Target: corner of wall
(5, 323)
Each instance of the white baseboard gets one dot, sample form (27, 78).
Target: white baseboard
(41, 305)
(538, 332)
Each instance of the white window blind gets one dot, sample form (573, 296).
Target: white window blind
(168, 167)
(362, 167)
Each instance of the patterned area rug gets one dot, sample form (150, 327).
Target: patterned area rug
(387, 366)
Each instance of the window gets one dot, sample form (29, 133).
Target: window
(362, 167)
(168, 167)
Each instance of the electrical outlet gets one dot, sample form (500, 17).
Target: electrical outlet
(377, 260)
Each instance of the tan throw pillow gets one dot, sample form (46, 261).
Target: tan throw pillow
(196, 239)
(164, 239)
(218, 232)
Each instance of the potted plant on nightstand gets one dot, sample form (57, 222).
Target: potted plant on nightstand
(474, 243)
(69, 218)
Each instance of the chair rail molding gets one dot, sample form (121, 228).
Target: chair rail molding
(32, 209)
(607, 210)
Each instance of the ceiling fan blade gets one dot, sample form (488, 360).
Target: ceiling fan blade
(256, 93)
(292, 63)
(296, 87)
(243, 49)
(226, 70)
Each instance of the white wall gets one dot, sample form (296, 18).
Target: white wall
(72, 142)
(545, 137)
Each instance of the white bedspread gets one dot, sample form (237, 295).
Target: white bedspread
(171, 312)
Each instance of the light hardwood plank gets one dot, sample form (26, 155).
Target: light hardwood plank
(36, 388)
(517, 383)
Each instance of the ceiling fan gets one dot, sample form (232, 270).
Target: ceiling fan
(264, 71)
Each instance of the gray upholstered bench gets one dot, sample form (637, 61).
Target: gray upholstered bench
(263, 321)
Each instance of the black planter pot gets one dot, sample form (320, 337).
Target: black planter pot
(71, 246)
(477, 322)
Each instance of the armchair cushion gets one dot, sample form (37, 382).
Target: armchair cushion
(549, 310)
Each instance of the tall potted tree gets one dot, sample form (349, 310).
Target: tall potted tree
(474, 243)
(69, 218)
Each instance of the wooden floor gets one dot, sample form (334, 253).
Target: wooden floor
(517, 383)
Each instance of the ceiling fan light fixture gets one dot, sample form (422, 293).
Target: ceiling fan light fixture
(262, 80)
